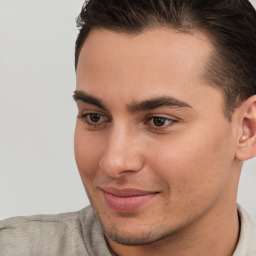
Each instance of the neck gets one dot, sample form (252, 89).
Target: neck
(214, 234)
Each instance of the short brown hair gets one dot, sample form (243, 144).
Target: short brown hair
(230, 25)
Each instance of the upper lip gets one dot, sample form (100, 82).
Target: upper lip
(126, 192)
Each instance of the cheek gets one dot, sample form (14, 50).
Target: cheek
(88, 151)
(193, 165)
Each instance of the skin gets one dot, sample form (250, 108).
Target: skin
(193, 160)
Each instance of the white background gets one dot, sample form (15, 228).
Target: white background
(38, 173)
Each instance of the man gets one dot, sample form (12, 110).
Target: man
(166, 96)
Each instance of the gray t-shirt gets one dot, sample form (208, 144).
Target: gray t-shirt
(80, 234)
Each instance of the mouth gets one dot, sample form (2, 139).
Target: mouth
(126, 200)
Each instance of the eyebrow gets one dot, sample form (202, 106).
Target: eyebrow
(157, 102)
(149, 104)
(85, 97)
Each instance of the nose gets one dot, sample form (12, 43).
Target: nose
(122, 153)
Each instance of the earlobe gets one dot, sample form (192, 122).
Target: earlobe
(247, 142)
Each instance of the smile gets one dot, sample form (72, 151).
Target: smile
(126, 200)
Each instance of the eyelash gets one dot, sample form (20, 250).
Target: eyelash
(85, 117)
(163, 127)
(95, 125)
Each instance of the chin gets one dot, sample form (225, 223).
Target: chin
(134, 232)
(134, 238)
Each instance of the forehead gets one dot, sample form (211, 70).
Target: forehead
(105, 45)
(154, 61)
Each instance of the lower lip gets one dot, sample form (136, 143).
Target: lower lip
(127, 204)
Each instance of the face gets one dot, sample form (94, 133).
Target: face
(152, 145)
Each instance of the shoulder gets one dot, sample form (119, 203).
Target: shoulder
(40, 223)
(58, 234)
(247, 239)
(17, 222)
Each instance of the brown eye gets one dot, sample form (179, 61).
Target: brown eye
(160, 121)
(95, 118)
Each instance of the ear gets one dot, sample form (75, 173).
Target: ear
(247, 139)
